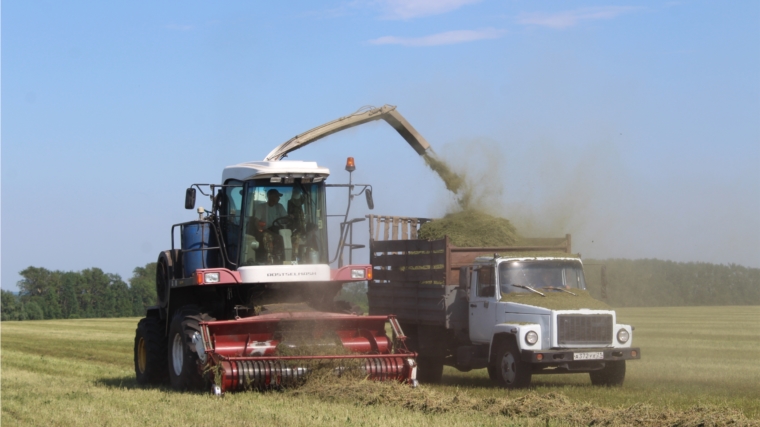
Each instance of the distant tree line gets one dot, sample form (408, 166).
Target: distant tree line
(651, 283)
(45, 294)
(657, 283)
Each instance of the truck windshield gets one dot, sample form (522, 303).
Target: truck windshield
(540, 274)
(283, 223)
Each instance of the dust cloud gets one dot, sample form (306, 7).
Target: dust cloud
(542, 189)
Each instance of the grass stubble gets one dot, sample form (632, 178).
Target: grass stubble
(699, 367)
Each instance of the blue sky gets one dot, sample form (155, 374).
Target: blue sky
(634, 126)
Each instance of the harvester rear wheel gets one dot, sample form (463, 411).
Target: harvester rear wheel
(150, 352)
(184, 368)
(165, 271)
(613, 374)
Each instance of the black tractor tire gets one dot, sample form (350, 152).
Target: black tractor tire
(429, 369)
(612, 375)
(183, 363)
(509, 370)
(167, 267)
(150, 352)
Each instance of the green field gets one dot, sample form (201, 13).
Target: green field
(699, 366)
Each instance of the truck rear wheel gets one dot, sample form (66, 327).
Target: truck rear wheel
(184, 368)
(150, 352)
(613, 374)
(429, 369)
(510, 371)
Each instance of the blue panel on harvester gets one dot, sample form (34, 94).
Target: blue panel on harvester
(197, 237)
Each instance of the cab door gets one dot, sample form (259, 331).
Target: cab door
(482, 304)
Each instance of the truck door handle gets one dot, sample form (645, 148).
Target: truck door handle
(473, 305)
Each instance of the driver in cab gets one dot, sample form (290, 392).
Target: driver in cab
(271, 210)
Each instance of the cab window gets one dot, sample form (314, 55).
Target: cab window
(230, 212)
(486, 285)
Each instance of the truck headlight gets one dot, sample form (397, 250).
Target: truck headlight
(357, 274)
(211, 278)
(623, 336)
(531, 337)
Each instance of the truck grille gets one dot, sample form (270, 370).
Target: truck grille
(583, 329)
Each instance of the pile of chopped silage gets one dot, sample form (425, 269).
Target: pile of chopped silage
(471, 228)
(550, 406)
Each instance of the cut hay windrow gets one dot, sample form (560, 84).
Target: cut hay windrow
(550, 406)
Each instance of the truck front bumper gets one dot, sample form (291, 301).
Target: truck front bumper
(549, 357)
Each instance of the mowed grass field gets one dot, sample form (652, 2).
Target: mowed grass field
(699, 366)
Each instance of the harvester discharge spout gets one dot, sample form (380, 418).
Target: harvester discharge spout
(361, 116)
(287, 349)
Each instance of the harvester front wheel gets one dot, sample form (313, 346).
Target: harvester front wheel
(613, 374)
(510, 371)
(184, 368)
(150, 352)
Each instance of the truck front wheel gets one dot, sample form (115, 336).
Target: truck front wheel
(612, 374)
(507, 368)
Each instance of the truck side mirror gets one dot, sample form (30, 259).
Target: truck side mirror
(465, 277)
(190, 198)
(368, 195)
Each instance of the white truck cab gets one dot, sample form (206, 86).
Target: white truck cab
(536, 316)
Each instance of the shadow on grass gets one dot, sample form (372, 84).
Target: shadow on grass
(128, 382)
(539, 382)
(466, 382)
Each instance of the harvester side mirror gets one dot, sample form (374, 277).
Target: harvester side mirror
(370, 202)
(190, 198)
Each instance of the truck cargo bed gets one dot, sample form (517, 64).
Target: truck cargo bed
(418, 280)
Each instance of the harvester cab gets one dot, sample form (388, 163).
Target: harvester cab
(246, 298)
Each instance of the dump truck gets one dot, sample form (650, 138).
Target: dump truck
(515, 310)
(246, 294)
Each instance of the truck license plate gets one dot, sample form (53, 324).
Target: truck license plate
(588, 356)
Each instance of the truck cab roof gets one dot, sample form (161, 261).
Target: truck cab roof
(281, 168)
